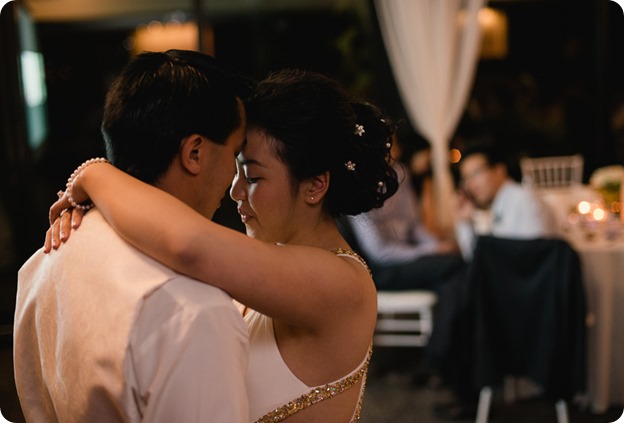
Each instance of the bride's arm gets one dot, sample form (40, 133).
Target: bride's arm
(296, 284)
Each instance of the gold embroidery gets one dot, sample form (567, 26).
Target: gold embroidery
(339, 251)
(321, 393)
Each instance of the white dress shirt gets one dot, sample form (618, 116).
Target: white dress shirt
(516, 212)
(103, 333)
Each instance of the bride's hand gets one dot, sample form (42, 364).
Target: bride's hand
(63, 219)
(74, 199)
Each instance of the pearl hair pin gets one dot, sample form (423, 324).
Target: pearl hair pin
(359, 130)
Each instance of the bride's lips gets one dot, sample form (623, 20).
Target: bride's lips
(244, 216)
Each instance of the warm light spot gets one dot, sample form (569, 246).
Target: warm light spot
(159, 36)
(488, 18)
(455, 155)
(494, 29)
(584, 207)
(599, 214)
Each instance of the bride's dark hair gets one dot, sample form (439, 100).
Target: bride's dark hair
(314, 125)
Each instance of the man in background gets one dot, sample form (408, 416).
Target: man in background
(489, 202)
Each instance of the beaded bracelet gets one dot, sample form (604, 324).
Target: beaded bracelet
(72, 178)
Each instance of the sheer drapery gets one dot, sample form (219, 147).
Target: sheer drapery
(433, 46)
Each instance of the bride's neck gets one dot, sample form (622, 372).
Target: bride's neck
(323, 235)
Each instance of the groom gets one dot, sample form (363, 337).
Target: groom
(102, 331)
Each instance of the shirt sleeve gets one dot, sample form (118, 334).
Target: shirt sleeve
(188, 356)
(465, 236)
(394, 233)
(382, 243)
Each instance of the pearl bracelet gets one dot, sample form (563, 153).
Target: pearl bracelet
(72, 178)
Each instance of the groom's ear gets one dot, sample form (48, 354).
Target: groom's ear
(191, 153)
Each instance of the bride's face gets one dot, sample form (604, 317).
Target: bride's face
(263, 191)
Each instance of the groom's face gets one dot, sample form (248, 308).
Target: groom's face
(219, 170)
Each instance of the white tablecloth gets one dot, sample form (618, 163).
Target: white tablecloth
(603, 274)
(601, 250)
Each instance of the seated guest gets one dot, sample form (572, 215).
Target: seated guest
(403, 250)
(490, 202)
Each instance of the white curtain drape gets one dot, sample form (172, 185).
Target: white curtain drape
(433, 47)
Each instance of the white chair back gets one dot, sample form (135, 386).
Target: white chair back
(552, 172)
(405, 318)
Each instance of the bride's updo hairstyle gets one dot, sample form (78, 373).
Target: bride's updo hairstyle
(316, 128)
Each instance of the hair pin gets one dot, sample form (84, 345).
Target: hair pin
(359, 130)
(350, 165)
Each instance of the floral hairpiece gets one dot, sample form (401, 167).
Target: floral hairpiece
(350, 165)
(359, 130)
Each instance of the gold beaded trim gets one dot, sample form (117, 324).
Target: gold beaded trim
(351, 253)
(328, 391)
(321, 393)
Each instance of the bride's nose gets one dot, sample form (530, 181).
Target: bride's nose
(237, 190)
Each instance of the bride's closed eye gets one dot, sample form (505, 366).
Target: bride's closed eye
(240, 172)
(246, 174)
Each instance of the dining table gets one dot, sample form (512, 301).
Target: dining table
(598, 238)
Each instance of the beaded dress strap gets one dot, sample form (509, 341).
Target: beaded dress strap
(324, 392)
(353, 255)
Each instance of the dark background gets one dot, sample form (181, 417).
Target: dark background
(555, 92)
